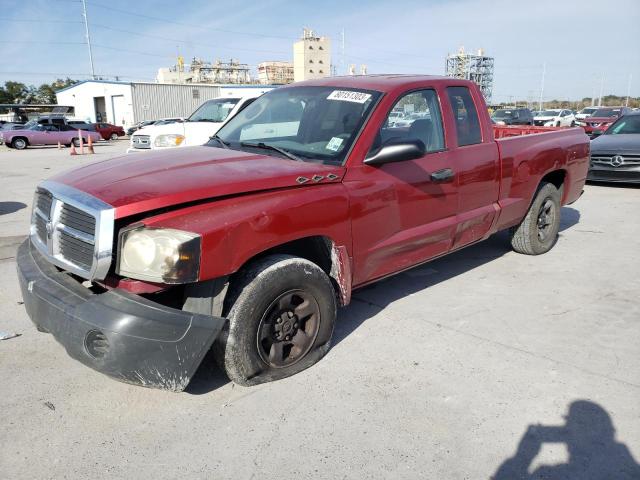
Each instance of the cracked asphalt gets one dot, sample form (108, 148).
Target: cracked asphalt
(482, 364)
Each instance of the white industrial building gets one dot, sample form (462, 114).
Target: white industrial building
(311, 57)
(125, 103)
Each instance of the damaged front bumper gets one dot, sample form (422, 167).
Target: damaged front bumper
(122, 335)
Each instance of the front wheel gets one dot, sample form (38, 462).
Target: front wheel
(538, 231)
(281, 319)
(114, 136)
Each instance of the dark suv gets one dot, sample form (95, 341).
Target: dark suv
(513, 116)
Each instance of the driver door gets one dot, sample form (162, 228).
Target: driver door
(404, 213)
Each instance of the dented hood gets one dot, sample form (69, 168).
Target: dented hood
(151, 180)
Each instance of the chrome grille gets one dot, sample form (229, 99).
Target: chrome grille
(141, 141)
(628, 160)
(73, 229)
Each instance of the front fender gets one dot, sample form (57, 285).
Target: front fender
(238, 228)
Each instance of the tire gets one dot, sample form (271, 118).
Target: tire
(538, 231)
(19, 143)
(114, 136)
(270, 304)
(558, 124)
(573, 124)
(76, 142)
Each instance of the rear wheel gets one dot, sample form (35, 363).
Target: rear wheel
(538, 231)
(281, 317)
(19, 143)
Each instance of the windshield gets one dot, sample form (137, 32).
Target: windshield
(629, 124)
(549, 113)
(607, 112)
(318, 123)
(214, 110)
(503, 114)
(587, 111)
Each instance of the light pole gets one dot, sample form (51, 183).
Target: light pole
(86, 31)
(544, 71)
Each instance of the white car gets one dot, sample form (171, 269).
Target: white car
(555, 118)
(195, 130)
(585, 112)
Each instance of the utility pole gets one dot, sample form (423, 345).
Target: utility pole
(626, 104)
(342, 59)
(544, 71)
(601, 89)
(86, 31)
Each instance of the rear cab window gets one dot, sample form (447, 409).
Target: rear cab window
(465, 116)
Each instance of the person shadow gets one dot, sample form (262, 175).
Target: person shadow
(589, 436)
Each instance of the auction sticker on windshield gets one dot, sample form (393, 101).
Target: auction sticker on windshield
(334, 144)
(349, 96)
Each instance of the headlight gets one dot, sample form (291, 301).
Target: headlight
(160, 255)
(500, 122)
(169, 140)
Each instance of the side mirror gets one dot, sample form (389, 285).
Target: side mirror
(397, 152)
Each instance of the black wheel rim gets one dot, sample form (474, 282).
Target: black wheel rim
(288, 328)
(546, 219)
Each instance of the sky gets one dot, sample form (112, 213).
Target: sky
(585, 45)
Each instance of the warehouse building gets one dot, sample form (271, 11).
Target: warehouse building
(125, 103)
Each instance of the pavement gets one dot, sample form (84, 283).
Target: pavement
(482, 364)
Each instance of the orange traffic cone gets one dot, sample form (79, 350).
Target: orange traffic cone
(90, 145)
(73, 149)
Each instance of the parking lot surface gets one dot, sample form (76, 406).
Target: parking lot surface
(451, 370)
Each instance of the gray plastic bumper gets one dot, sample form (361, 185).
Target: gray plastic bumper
(122, 335)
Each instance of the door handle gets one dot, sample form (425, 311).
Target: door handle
(445, 175)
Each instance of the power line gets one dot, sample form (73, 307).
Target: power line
(190, 25)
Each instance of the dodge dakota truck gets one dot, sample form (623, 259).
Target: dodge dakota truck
(246, 246)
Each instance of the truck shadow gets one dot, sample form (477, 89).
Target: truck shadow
(593, 452)
(369, 301)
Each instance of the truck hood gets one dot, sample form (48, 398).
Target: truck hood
(621, 143)
(159, 179)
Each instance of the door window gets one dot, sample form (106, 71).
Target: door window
(415, 116)
(465, 115)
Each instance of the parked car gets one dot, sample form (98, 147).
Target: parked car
(195, 130)
(555, 118)
(513, 116)
(108, 131)
(597, 123)
(47, 134)
(250, 242)
(139, 125)
(585, 112)
(615, 155)
(408, 119)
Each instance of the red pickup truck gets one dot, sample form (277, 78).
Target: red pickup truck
(247, 245)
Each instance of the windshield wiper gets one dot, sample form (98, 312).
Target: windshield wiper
(266, 146)
(220, 141)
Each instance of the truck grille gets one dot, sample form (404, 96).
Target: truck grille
(141, 141)
(73, 230)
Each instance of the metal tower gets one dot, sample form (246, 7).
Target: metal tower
(477, 68)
